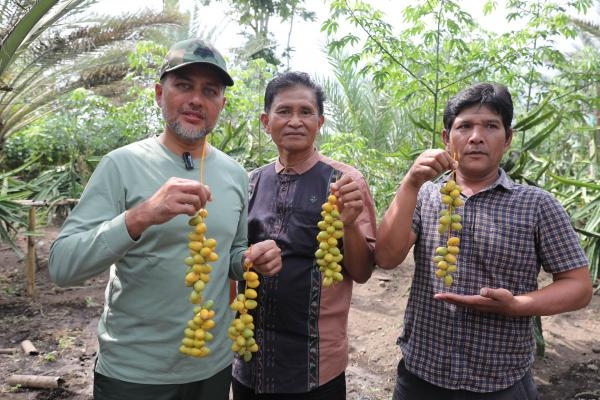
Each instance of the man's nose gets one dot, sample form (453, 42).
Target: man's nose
(477, 133)
(295, 119)
(197, 97)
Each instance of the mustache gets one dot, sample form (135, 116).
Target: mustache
(193, 110)
(187, 134)
(475, 151)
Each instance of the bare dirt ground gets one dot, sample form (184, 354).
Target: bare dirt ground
(61, 323)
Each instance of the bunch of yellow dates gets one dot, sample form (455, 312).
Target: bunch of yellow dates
(241, 331)
(446, 257)
(331, 231)
(202, 251)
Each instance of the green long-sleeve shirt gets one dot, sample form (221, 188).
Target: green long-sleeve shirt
(146, 303)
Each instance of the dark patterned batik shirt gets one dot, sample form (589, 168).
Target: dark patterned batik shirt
(300, 326)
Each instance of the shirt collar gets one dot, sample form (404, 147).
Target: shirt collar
(503, 180)
(300, 167)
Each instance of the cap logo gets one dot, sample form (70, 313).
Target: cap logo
(204, 52)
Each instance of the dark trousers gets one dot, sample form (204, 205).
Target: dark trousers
(335, 389)
(214, 388)
(410, 387)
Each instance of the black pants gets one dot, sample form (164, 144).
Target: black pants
(214, 388)
(410, 387)
(335, 389)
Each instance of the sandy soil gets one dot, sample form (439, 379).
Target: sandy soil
(61, 323)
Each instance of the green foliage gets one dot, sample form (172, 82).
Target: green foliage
(355, 104)
(13, 217)
(144, 63)
(442, 49)
(66, 342)
(581, 198)
(423, 64)
(381, 170)
(239, 132)
(52, 48)
(88, 125)
(66, 144)
(15, 388)
(568, 179)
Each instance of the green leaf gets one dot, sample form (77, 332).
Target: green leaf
(421, 123)
(24, 28)
(533, 119)
(541, 136)
(574, 182)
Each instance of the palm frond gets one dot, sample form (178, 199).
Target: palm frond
(60, 53)
(33, 22)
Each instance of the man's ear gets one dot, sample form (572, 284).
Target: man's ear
(508, 140)
(446, 137)
(447, 141)
(158, 90)
(321, 120)
(264, 119)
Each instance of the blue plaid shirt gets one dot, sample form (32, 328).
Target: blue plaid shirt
(509, 232)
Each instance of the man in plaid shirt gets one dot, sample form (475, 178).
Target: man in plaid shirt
(473, 338)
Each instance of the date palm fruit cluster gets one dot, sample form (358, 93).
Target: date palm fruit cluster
(197, 334)
(331, 230)
(202, 251)
(449, 225)
(241, 330)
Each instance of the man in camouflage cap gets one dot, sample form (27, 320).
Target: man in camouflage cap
(132, 218)
(193, 51)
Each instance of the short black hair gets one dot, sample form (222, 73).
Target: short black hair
(492, 95)
(290, 79)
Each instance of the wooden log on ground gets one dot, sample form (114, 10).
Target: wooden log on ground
(29, 348)
(8, 350)
(35, 381)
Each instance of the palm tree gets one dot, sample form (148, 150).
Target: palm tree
(51, 47)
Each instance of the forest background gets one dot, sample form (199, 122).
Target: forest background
(75, 84)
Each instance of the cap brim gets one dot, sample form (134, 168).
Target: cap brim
(227, 80)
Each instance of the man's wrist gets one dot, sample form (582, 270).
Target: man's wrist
(135, 223)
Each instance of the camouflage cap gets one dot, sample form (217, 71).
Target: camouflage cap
(195, 51)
